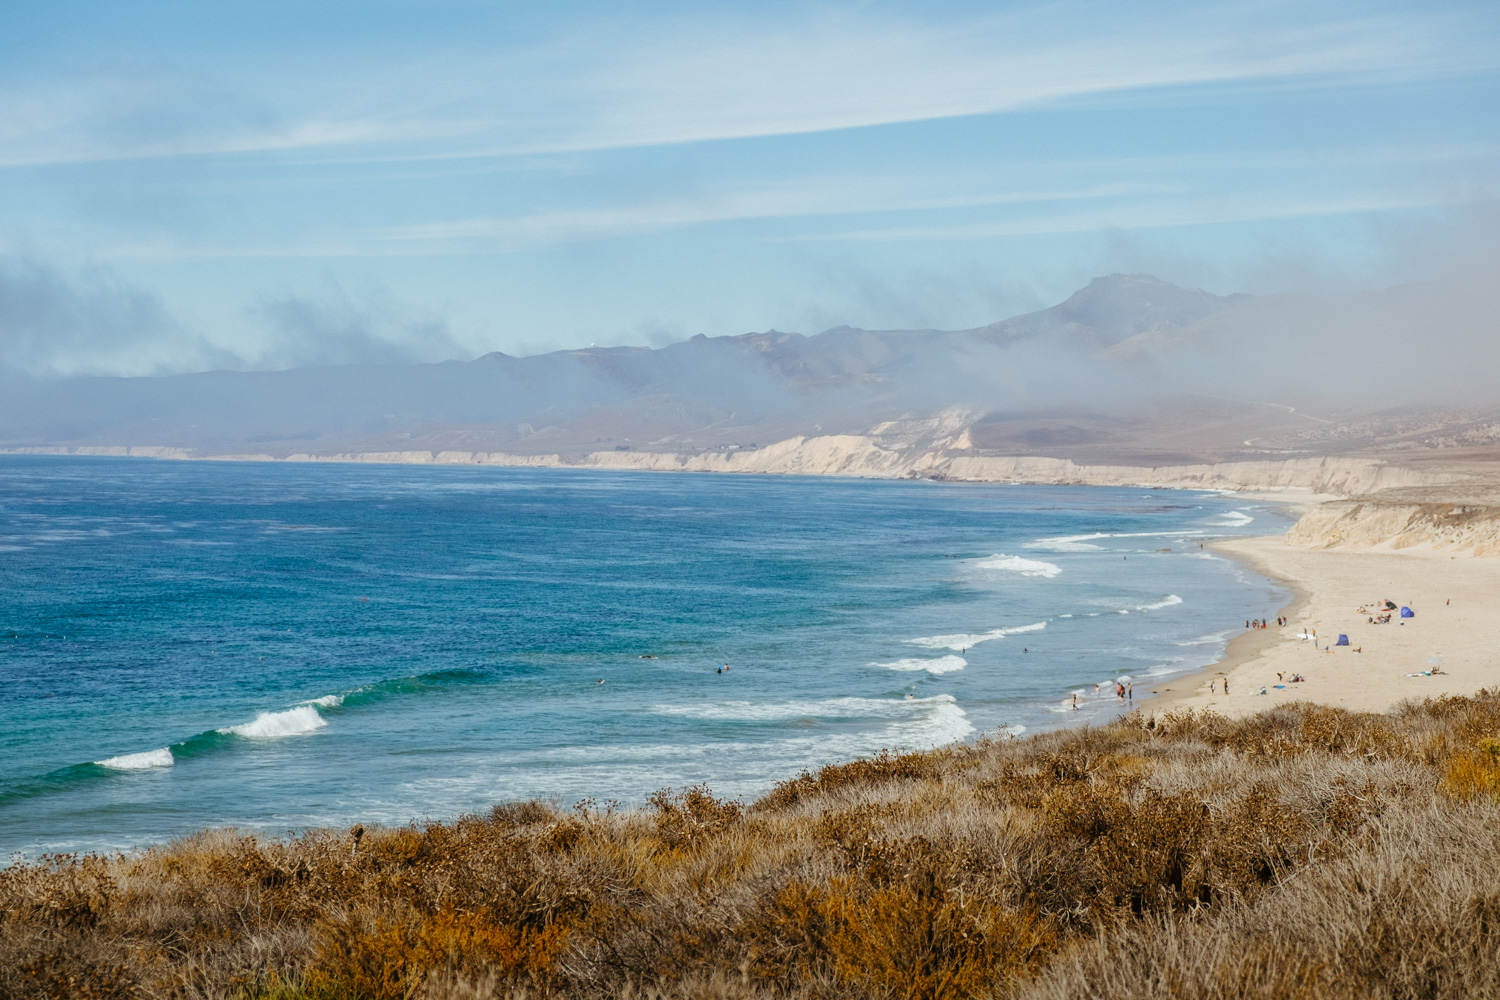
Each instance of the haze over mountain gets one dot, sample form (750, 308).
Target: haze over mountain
(1123, 370)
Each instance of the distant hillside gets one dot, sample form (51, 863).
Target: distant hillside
(707, 392)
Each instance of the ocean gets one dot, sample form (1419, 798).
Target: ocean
(281, 646)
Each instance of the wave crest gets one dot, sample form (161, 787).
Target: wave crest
(831, 708)
(274, 725)
(1016, 564)
(143, 761)
(940, 665)
(968, 640)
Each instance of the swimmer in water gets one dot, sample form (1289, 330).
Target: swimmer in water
(601, 680)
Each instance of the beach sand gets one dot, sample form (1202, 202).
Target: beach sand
(1329, 586)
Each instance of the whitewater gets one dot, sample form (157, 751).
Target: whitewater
(277, 647)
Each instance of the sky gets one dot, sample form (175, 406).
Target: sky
(186, 186)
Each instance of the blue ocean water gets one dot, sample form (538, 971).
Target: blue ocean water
(276, 646)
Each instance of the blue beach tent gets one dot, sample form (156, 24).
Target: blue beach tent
(1408, 613)
(1343, 640)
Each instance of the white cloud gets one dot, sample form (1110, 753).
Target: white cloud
(614, 81)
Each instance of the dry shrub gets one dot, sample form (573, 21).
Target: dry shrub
(382, 957)
(62, 976)
(691, 818)
(880, 769)
(1306, 852)
(1473, 772)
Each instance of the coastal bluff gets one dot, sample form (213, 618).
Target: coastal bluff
(1395, 524)
(875, 456)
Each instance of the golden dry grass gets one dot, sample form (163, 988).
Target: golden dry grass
(1306, 852)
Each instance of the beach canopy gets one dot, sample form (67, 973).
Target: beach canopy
(1343, 640)
(1390, 605)
(1408, 613)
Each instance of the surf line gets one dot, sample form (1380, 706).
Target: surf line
(299, 720)
(967, 640)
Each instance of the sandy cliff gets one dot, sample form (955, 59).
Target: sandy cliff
(938, 448)
(1371, 522)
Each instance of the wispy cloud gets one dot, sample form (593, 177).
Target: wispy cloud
(612, 80)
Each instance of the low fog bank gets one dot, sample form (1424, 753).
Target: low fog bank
(1128, 366)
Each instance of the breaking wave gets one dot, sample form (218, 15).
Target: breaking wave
(940, 665)
(786, 711)
(1166, 602)
(1015, 564)
(144, 761)
(968, 640)
(275, 725)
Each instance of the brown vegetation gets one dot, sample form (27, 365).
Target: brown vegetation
(1306, 852)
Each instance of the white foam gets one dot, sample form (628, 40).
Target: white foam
(941, 665)
(144, 761)
(831, 708)
(968, 640)
(1015, 564)
(1235, 519)
(1166, 602)
(327, 701)
(1081, 543)
(274, 725)
(1073, 544)
(1213, 638)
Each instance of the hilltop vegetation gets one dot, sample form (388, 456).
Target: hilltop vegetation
(1306, 852)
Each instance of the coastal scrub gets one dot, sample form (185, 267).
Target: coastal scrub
(1304, 852)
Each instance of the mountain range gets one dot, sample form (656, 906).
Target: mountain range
(1097, 377)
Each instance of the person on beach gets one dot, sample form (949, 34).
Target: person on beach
(1130, 693)
(1075, 701)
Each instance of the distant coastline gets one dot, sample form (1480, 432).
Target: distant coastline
(866, 456)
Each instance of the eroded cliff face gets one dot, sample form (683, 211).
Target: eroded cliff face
(937, 448)
(1371, 522)
(867, 456)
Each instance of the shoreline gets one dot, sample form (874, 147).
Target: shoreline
(1247, 647)
(1445, 649)
(871, 456)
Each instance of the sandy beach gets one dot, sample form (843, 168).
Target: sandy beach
(1456, 628)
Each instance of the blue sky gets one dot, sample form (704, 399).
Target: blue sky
(189, 185)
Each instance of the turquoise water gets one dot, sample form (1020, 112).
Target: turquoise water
(275, 646)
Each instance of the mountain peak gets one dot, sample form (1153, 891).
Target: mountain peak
(1115, 307)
